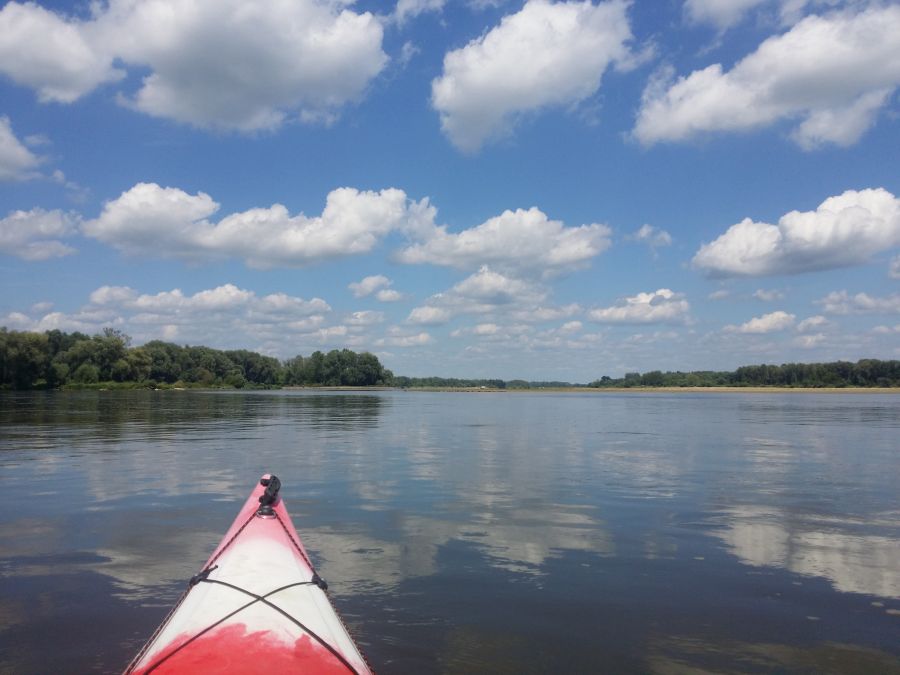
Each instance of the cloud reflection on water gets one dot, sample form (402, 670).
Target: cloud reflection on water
(853, 563)
(516, 541)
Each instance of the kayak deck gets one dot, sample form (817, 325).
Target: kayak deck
(257, 606)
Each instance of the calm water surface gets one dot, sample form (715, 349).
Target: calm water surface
(502, 533)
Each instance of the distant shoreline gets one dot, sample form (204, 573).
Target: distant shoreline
(134, 386)
(620, 390)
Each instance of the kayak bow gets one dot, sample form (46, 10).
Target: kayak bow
(257, 606)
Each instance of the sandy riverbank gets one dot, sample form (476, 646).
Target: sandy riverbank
(633, 390)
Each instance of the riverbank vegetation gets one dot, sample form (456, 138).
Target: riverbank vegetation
(459, 383)
(55, 359)
(863, 373)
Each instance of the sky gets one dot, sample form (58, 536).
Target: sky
(466, 188)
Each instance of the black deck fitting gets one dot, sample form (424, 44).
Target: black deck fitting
(269, 497)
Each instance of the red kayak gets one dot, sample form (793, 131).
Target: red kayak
(257, 606)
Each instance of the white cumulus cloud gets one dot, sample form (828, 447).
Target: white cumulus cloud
(223, 64)
(365, 318)
(767, 323)
(720, 13)
(156, 221)
(226, 298)
(492, 288)
(486, 329)
(652, 236)
(405, 340)
(545, 55)
(36, 234)
(542, 314)
(724, 14)
(152, 220)
(479, 330)
(429, 316)
(409, 9)
(844, 230)
(832, 73)
(894, 267)
(768, 295)
(520, 241)
(16, 321)
(86, 321)
(369, 285)
(570, 327)
(661, 306)
(377, 284)
(388, 295)
(841, 302)
(17, 162)
(811, 323)
(226, 316)
(62, 59)
(809, 341)
(485, 292)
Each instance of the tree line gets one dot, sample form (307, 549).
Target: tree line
(460, 383)
(863, 373)
(446, 383)
(52, 359)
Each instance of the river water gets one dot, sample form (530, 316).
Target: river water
(471, 532)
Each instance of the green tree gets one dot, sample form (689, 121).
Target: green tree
(139, 364)
(652, 379)
(86, 373)
(25, 358)
(164, 361)
(293, 371)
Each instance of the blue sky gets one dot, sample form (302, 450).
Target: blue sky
(475, 189)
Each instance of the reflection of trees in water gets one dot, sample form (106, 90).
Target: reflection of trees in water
(334, 411)
(110, 415)
(822, 410)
